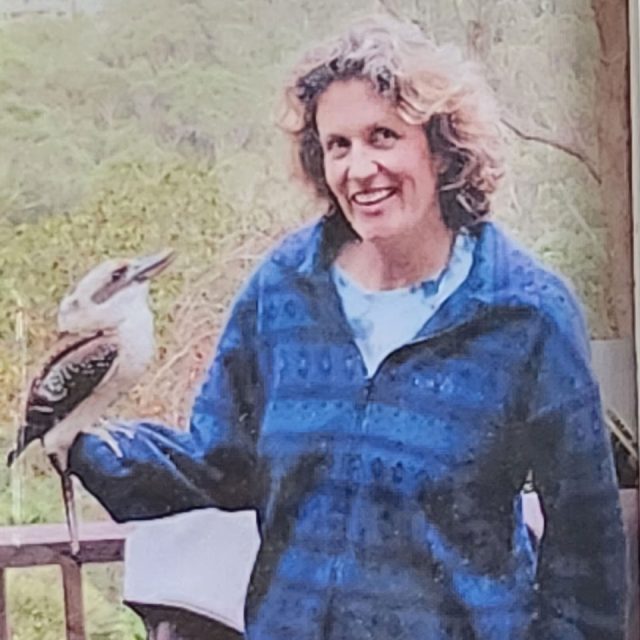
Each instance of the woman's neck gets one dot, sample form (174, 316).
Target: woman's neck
(391, 263)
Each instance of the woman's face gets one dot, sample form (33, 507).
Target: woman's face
(378, 166)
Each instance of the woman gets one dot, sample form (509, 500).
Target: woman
(388, 378)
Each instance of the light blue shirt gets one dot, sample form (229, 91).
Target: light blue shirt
(383, 321)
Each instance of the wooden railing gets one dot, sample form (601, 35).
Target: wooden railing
(38, 545)
(48, 544)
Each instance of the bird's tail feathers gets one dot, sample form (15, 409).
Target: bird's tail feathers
(21, 445)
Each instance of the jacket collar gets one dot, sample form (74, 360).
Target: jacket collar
(332, 231)
(487, 280)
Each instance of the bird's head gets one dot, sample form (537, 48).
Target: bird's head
(110, 293)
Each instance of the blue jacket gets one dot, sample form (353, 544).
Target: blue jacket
(389, 506)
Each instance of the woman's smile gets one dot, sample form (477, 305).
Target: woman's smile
(371, 197)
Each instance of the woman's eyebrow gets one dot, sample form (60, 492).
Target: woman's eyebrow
(383, 123)
(333, 137)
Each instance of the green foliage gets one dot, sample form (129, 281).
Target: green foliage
(107, 618)
(35, 603)
(35, 600)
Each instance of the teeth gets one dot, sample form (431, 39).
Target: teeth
(372, 197)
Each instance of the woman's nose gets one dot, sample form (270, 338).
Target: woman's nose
(362, 164)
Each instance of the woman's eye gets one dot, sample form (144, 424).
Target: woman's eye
(337, 143)
(384, 135)
(337, 146)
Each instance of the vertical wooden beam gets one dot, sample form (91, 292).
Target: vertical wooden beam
(634, 63)
(634, 75)
(613, 121)
(4, 621)
(73, 599)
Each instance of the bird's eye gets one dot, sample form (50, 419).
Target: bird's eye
(118, 274)
(69, 304)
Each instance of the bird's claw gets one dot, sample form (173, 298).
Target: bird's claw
(126, 429)
(106, 431)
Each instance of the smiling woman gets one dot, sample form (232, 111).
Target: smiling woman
(387, 381)
(387, 121)
(383, 176)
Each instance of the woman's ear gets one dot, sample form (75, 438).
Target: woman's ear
(439, 162)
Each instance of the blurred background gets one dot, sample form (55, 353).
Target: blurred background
(128, 126)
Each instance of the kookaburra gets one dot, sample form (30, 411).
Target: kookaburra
(106, 341)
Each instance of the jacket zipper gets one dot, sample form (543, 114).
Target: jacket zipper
(337, 567)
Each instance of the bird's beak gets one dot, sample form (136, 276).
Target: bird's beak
(150, 266)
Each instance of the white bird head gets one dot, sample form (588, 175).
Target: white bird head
(111, 293)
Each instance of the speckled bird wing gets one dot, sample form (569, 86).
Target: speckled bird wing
(77, 368)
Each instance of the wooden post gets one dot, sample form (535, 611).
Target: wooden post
(73, 602)
(634, 64)
(4, 622)
(612, 112)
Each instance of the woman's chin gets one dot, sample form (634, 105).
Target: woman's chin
(371, 225)
(374, 225)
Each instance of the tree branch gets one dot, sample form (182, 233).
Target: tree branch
(389, 9)
(556, 144)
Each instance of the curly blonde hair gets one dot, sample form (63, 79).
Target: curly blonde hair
(430, 85)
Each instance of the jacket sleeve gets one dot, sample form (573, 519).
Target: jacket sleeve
(580, 582)
(162, 470)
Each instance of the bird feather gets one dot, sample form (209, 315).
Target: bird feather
(79, 365)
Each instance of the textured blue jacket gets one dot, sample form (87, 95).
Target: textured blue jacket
(388, 506)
